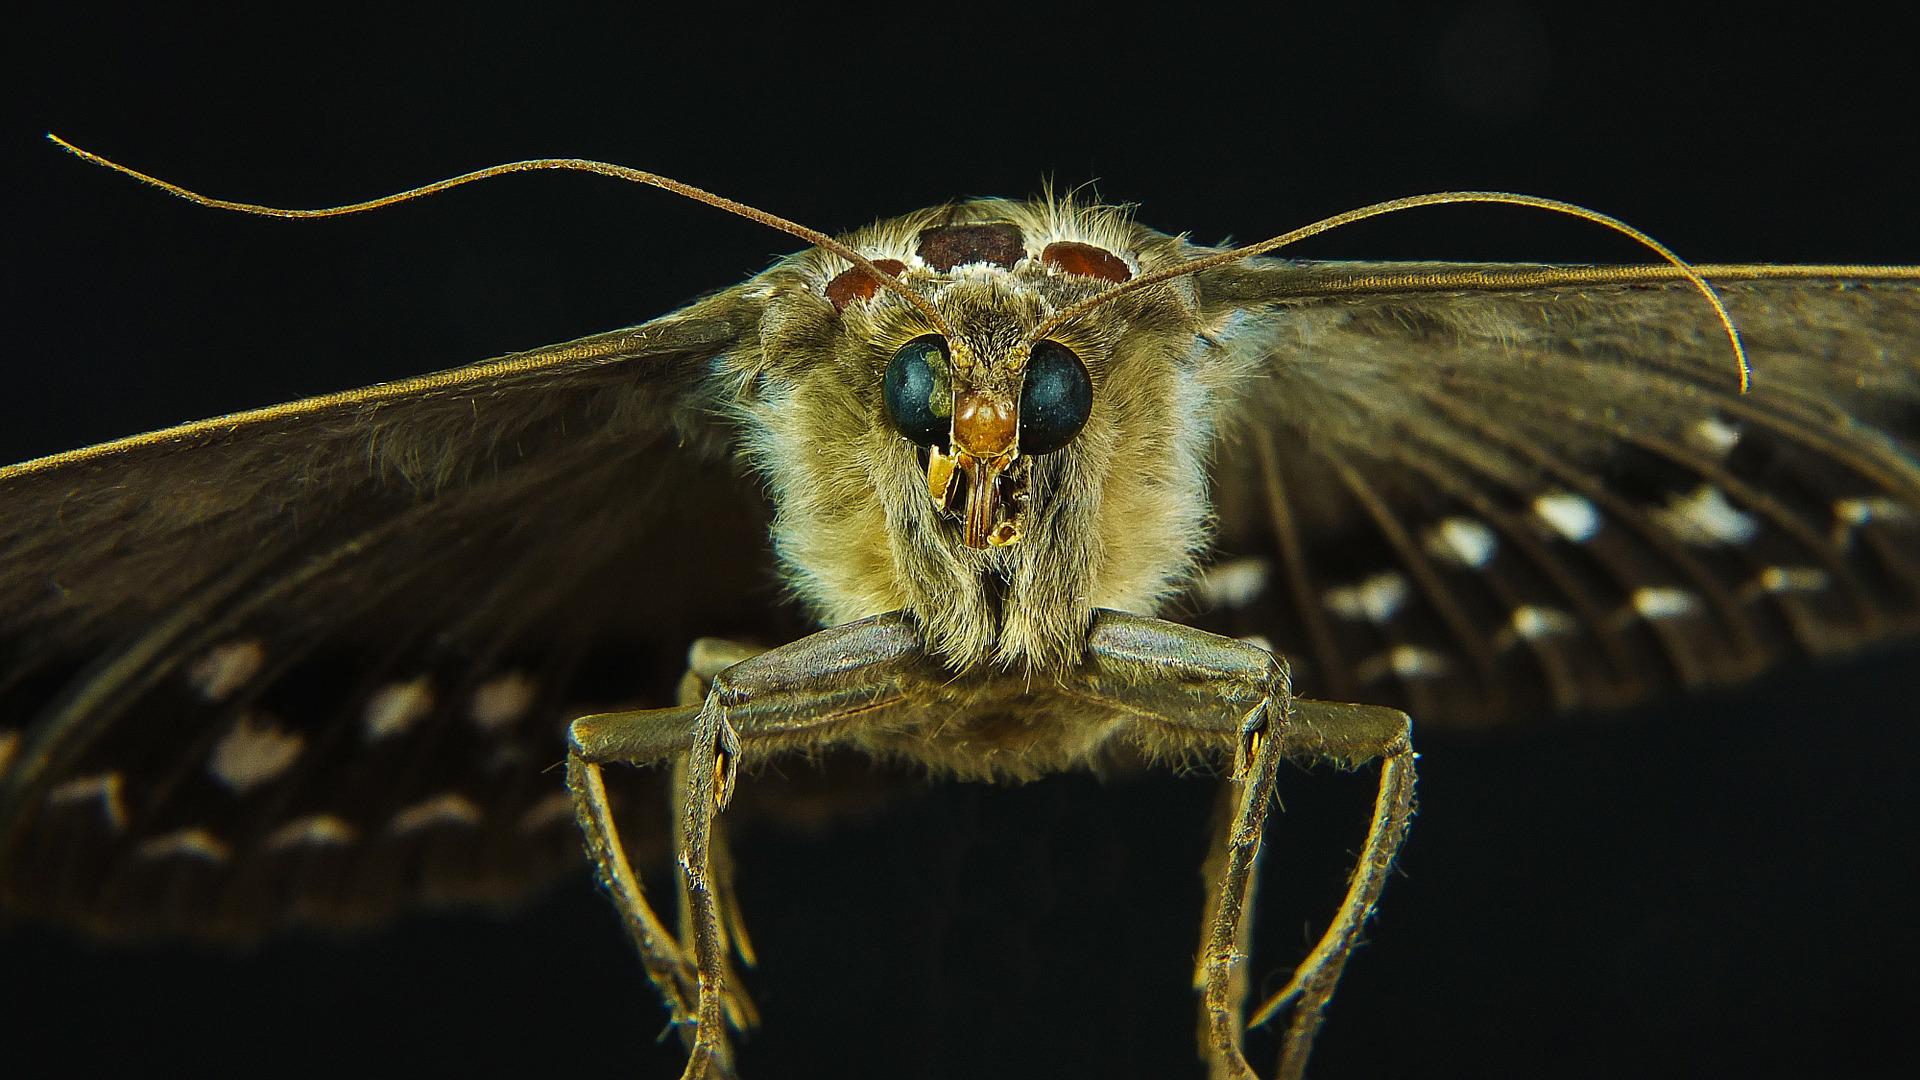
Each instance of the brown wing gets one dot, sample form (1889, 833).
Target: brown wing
(313, 662)
(1493, 493)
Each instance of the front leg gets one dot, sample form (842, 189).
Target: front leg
(1345, 736)
(1192, 690)
(799, 696)
(707, 658)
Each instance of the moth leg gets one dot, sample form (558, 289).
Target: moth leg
(706, 659)
(669, 964)
(667, 967)
(1225, 814)
(741, 1013)
(1222, 968)
(1346, 736)
(810, 693)
(1197, 690)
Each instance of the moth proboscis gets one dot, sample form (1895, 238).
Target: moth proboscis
(987, 433)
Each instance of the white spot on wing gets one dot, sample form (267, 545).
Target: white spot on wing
(317, 830)
(450, 808)
(106, 787)
(398, 706)
(1850, 514)
(1405, 661)
(248, 756)
(1532, 622)
(193, 843)
(226, 668)
(500, 701)
(1462, 541)
(505, 757)
(1568, 514)
(1714, 435)
(548, 811)
(1235, 583)
(1704, 516)
(1782, 579)
(1375, 599)
(1663, 602)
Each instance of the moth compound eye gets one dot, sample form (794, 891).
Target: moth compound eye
(918, 395)
(1055, 400)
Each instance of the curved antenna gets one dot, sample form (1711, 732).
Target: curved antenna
(1412, 202)
(601, 168)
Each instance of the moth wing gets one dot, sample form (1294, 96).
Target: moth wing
(313, 662)
(1493, 493)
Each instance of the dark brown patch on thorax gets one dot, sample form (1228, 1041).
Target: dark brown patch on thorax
(944, 247)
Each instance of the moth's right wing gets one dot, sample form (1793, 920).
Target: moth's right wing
(313, 662)
(1490, 493)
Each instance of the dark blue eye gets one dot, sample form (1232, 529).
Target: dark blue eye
(919, 398)
(1055, 400)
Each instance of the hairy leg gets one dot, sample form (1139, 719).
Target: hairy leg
(669, 968)
(1189, 683)
(1347, 736)
(805, 694)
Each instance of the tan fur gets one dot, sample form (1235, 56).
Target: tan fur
(1119, 514)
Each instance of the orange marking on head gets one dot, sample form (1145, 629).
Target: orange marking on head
(855, 283)
(1072, 257)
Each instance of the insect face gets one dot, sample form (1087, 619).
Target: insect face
(1000, 487)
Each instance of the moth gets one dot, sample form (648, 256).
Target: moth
(314, 663)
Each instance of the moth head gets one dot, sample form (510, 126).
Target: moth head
(983, 402)
(997, 476)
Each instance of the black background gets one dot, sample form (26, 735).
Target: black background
(1716, 887)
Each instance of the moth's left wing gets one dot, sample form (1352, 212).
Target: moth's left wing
(312, 662)
(1485, 493)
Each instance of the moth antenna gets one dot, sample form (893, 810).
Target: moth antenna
(1411, 202)
(618, 172)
